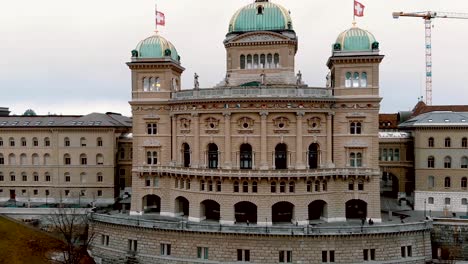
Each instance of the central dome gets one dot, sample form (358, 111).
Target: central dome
(259, 16)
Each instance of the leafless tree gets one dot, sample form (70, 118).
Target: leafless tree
(72, 225)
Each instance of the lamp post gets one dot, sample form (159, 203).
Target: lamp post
(424, 208)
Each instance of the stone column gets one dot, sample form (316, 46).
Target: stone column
(196, 141)
(330, 140)
(174, 140)
(299, 148)
(263, 141)
(227, 141)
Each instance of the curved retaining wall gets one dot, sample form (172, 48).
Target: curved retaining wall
(304, 244)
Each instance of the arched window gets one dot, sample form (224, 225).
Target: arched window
(35, 142)
(317, 186)
(281, 156)
(309, 186)
(430, 142)
(99, 177)
(146, 84)
(260, 10)
(249, 61)
(245, 157)
(262, 61)
(213, 156)
(210, 186)
(47, 159)
(186, 155)
(11, 159)
(364, 79)
(202, 185)
(66, 142)
(255, 61)
(351, 186)
(155, 85)
(269, 61)
(35, 159)
(1, 142)
(83, 177)
(24, 176)
(245, 187)
(99, 142)
(431, 162)
(242, 61)
(83, 142)
(47, 177)
(218, 186)
(282, 187)
(464, 143)
(292, 187)
(464, 182)
(46, 142)
(448, 142)
(152, 158)
(83, 159)
(348, 82)
(99, 159)
(430, 182)
(324, 186)
(447, 162)
(2, 160)
(273, 187)
(12, 142)
(254, 187)
(23, 159)
(277, 60)
(66, 159)
(236, 186)
(356, 80)
(464, 163)
(12, 176)
(447, 182)
(355, 128)
(23, 142)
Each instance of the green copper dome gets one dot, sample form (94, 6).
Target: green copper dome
(261, 15)
(155, 47)
(356, 39)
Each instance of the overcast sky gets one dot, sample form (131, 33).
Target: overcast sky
(68, 57)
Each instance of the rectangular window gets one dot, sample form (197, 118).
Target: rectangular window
(148, 182)
(403, 252)
(202, 252)
(47, 143)
(152, 129)
(47, 178)
(67, 161)
(67, 143)
(332, 256)
(12, 143)
(165, 249)
(132, 245)
(35, 143)
(67, 178)
(67, 192)
(372, 254)
(36, 192)
(84, 161)
(99, 178)
(285, 256)
(396, 155)
(365, 254)
(2, 161)
(25, 178)
(243, 255)
(324, 256)
(12, 177)
(47, 192)
(99, 193)
(36, 178)
(105, 240)
(2, 178)
(99, 143)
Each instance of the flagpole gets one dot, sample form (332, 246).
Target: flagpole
(156, 16)
(354, 13)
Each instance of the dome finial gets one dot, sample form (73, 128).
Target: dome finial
(354, 23)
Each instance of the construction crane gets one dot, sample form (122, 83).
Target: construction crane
(428, 16)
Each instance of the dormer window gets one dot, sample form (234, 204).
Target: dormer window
(260, 10)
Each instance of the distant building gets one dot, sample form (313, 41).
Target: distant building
(61, 159)
(4, 111)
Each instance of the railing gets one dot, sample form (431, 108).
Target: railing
(258, 173)
(308, 230)
(255, 92)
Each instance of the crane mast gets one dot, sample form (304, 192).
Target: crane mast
(428, 16)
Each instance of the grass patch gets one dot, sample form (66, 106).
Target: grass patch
(20, 244)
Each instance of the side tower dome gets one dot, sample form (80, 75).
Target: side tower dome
(261, 15)
(356, 39)
(261, 46)
(354, 64)
(155, 47)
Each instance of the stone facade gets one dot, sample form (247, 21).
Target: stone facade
(223, 247)
(59, 159)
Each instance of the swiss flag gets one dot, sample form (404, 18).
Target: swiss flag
(160, 18)
(358, 9)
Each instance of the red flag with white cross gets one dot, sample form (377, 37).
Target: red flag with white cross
(358, 9)
(160, 19)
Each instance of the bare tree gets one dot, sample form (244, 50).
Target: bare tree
(72, 225)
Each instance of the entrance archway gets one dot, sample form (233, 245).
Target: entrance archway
(390, 185)
(245, 157)
(186, 153)
(182, 206)
(313, 156)
(317, 210)
(212, 156)
(282, 212)
(281, 160)
(210, 210)
(245, 212)
(356, 209)
(152, 204)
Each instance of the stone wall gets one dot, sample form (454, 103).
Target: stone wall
(223, 247)
(450, 239)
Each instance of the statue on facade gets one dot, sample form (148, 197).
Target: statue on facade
(263, 78)
(299, 78)
(195, 81)
(226, 79)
